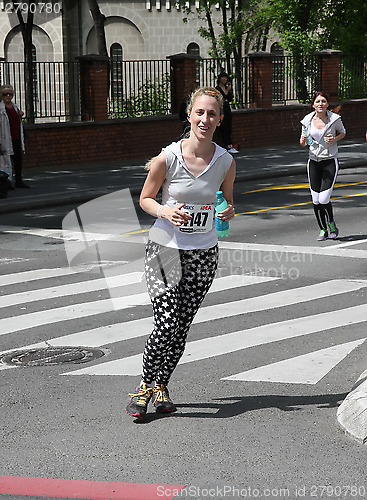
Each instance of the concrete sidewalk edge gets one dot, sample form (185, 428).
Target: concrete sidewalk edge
(352, 413)
(82, 196)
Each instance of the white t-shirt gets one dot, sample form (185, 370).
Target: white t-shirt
(181, 186)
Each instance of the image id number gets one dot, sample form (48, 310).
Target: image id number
(319, 491)
(32, 7)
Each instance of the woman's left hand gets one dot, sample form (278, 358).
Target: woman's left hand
(228, 213)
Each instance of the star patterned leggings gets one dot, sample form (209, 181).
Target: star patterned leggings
(177, 281)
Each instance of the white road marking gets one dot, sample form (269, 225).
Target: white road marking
(306, 369)
(285, 250)
(77, 311)
(243, 339)
(70, 289)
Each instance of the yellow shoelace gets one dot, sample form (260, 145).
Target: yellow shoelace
(160, 392)
(142, 395)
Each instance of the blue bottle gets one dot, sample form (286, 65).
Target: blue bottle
(308, 136)
(220, 204)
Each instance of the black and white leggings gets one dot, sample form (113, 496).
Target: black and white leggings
(177, 281)
(322, 176)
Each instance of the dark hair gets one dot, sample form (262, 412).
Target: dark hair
(320, 93)
(221, 74)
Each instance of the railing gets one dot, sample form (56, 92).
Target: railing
(208, 70)
(139, 88)
(56, 89)
(143, 88)
(352, 76)
(294, 79)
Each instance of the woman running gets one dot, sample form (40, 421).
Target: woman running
(182, 251)
(321, 130)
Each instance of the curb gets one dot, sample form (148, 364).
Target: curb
(59, 199)
(352, 413)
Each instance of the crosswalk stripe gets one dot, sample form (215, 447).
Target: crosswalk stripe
(283, 251)
(243, 339)
(70, 289)
(309, 368)
(36, 274)
(110, 334)
(77, 311)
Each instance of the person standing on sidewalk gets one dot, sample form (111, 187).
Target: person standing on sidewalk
(182, 252)
(224, 86)
(321, 130)
(11, 132)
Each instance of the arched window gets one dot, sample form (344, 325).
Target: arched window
(193, 49)
(278, 72)
(116, 54)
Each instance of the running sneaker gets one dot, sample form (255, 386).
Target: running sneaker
(323, 235)
(232, 150)
(139, 401)
(161, 400)
(334, 231)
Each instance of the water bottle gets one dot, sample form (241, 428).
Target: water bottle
(308, 136)
(220, 204)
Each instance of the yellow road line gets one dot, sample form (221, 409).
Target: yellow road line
(303, 185)
(298, 204)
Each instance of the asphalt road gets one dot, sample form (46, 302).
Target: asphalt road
(274, 350)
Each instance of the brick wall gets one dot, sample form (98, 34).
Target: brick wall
(57, 144)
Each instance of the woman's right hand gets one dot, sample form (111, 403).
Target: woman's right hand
(303, 140)
(175, 215)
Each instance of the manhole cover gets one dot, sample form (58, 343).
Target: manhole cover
(51, 356)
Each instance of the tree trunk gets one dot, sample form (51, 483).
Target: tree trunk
(26, 28)
(99, 20)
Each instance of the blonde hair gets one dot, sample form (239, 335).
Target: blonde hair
(5, 87)
(202, 91)
(206, 91)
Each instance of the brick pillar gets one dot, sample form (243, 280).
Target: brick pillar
(328, 73)
(183, 72)
(94, 83)
(261, 80)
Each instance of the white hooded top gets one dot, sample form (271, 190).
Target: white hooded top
(319, 149)
(181, 186)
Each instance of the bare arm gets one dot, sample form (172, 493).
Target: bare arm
(152, 185)
(227, 188)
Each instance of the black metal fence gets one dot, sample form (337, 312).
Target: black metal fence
(352, 76)
(143, 88)
(56, 88)
(294, 79)
(139, 88)
(208, 70)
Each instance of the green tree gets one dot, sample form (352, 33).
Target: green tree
(345, 26)
(229, 29)
(305, 26)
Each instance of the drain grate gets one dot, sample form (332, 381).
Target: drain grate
(51, 356)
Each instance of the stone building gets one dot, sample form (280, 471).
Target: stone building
(135, 30)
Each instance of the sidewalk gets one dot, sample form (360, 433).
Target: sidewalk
(77, 184)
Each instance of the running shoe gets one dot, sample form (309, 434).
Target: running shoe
(139, 401)
(323, 235)
(334, 231)
(232, 150)
(161, 400)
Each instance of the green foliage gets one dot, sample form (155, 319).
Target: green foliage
(152, 98)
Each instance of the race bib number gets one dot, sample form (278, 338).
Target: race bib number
(201, 219)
